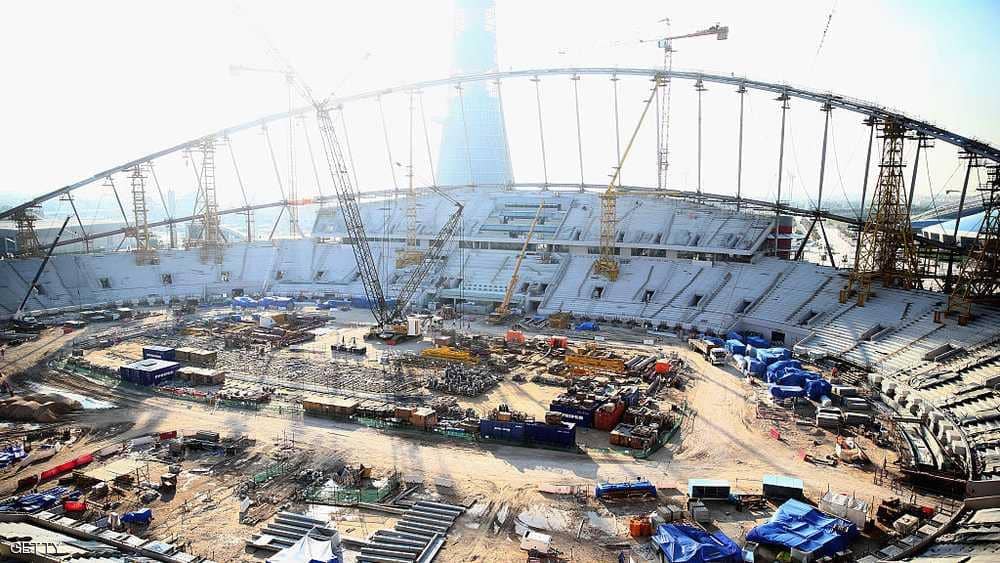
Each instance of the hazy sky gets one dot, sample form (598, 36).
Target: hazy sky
(92, 84)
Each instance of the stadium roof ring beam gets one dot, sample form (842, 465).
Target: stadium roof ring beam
(967, 145)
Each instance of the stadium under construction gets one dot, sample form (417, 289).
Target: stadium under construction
(494, 368)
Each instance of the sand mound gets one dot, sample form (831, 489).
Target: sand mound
(37, 407)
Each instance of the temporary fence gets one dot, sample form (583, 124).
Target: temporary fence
(325, 493)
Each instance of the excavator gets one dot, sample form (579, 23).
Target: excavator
(503, 312)
(390, 322)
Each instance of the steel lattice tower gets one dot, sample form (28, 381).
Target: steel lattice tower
(979, 279)
(886, 248)
(26, 237)
(144, 252)
(211, 234)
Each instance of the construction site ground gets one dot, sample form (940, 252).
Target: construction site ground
(724, 440)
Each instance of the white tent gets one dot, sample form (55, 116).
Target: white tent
(307, 550)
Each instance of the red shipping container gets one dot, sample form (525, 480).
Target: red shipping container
(168, 435)
(608, 416)
(74, 506)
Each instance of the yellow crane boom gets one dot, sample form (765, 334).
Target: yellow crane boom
(503, 310)
(607, 264)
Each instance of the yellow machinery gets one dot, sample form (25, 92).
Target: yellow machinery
(607, 263)
(501, 313)
(560, 320)
(450, 354)
(612, 365)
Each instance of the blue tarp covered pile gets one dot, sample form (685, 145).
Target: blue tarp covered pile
(587, 325)
(277, 302)
(686, 544)
(786, 391)
(734, 346)
(244, 302)
(627, 488)
(144, 516)
(772, 355)
(778, 368)
(733, 335)
(35, 501)
(755, 366)
(12, 454)
(758, 341)
(817, 388)
(796, 525)
(715, 340)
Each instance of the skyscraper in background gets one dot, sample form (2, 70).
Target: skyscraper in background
(474, 140)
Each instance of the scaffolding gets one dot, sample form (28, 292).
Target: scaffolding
(26, 237)
(145, 253)
(979, 278)
(211, 233)
(886, 249)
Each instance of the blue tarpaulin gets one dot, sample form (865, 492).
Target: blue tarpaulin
(755, 366)
(244, 302)
(758, 341)
(796, 525)
(143, 516)
(778, 368)
(786, 391)
(587, 325)
(735, 347)
(733, 335)
(772, 355)
(628, 488)
(686, 544)
(12, 454)
(279, 302)
(714, 340)
(34, 502)
(817, 388)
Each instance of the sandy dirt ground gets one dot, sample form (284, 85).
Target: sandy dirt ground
(721, 442)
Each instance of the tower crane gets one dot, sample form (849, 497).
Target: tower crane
(607, 264)
(721, 33)
(501, 313)
(389, 323)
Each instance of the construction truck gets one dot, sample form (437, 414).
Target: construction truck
(715, 354)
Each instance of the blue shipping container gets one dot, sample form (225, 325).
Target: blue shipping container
(579, 416)
(506, 431)
(628, 488)
(148, 372)
(562, 435)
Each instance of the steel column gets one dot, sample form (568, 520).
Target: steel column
(541, 131)
(579, 134)
(742, 91)
(783, 98)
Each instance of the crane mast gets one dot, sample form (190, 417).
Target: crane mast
(503, 311)
(663, 135)
(348, 200)
(347, 197)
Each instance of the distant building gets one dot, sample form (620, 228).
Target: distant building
(474, 140)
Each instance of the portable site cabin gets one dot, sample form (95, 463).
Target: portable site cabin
(709, 489)
(782, 487)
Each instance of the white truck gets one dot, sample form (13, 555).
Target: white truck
(715, 354)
